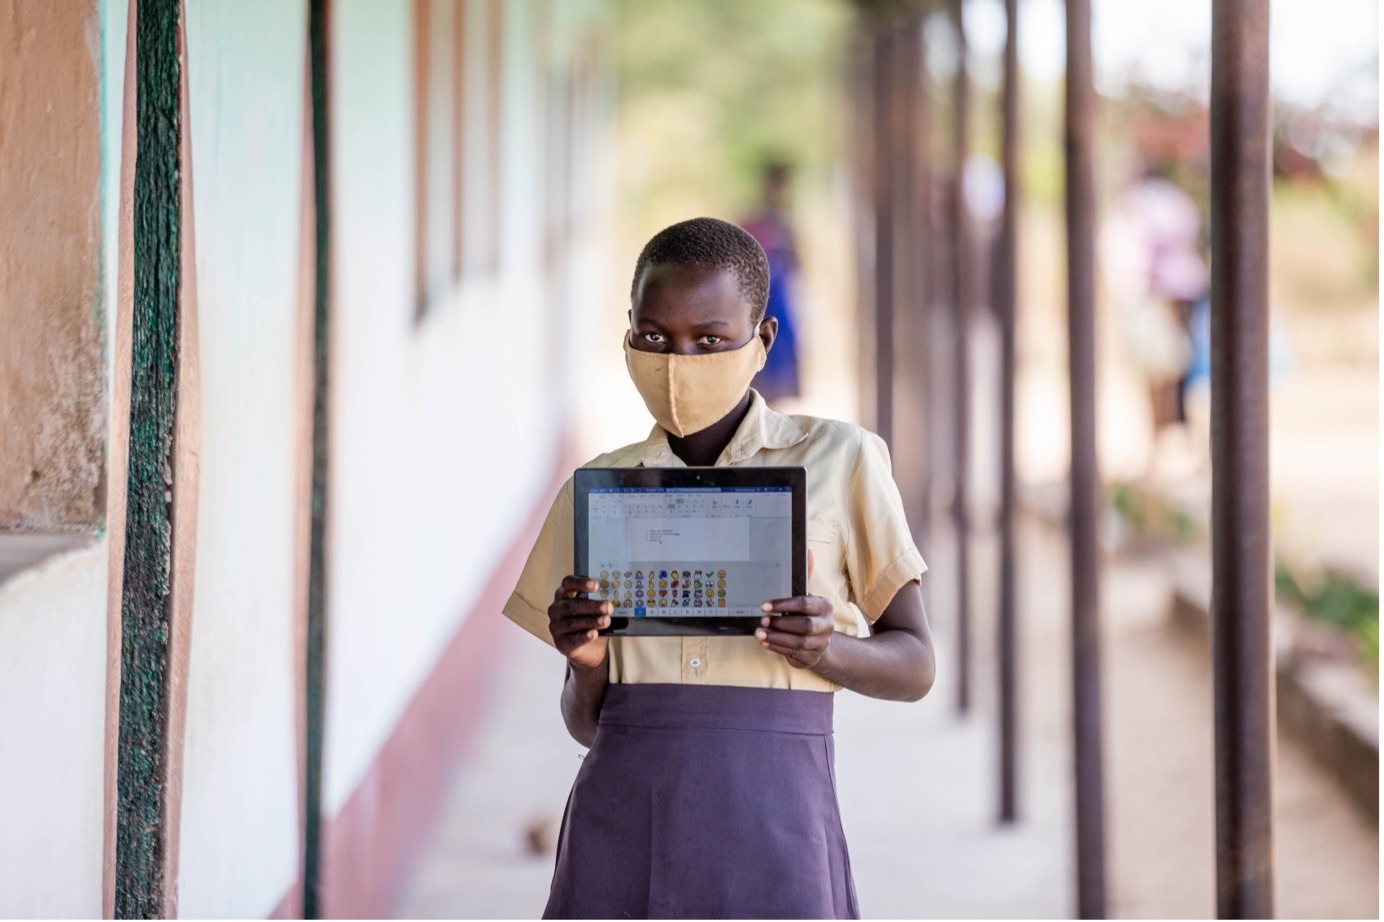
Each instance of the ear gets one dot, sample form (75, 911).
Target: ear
(768, 331)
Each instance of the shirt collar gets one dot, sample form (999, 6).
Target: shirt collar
(761, 428)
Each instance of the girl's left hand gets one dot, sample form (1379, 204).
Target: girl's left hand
(801, 633)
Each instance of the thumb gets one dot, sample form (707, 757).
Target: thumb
(811, 563)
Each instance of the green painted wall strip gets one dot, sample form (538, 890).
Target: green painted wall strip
(317, 605)
(141, 837)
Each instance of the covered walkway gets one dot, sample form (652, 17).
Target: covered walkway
(298, 317)
(917, 782)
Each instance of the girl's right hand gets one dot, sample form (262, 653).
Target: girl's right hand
(574, 621)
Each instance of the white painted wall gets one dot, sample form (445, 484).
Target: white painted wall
(369, 594)
(443, 432)
(52, 737)
(444, 435)
(239, 836)
(115, 16)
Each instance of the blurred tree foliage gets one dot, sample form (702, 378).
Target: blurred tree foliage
(709, 91)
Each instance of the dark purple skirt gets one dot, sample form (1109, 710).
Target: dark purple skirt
(705, 802)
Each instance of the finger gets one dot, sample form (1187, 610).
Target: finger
(577, 630)
(571, 644)
(811, 642)
(575, 608)
(577, 625)
(811, 563)
(576, 638)
(574, 585)
(798, 624)
(799, 604)
(801, 659)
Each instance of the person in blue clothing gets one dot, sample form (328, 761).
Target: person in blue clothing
(770, 228)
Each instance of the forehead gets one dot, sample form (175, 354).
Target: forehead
(671, 293)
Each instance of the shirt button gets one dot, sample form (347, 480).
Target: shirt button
(695, 663)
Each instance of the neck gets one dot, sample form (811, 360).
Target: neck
(701, 449)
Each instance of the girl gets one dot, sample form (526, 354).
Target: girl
(709, 790)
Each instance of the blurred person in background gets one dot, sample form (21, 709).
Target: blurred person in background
(1152, 248)
(771, 229)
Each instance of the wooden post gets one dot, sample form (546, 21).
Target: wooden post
(160, 524)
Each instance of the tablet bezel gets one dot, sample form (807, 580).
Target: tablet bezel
(586, 479)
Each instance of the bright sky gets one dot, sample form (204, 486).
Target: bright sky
(1318, 49)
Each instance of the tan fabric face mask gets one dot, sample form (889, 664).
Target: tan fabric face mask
(687, 393)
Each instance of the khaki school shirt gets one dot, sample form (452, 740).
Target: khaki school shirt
(862, 549)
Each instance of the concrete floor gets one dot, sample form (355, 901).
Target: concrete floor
(915, 789)
(917, 781)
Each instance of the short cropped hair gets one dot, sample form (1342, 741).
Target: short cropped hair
(715, 244)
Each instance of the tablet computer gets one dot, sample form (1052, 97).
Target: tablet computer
(691, 550)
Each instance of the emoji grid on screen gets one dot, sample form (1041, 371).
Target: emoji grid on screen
(695, 552)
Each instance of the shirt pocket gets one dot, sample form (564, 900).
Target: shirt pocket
(824, 540)
(827, 542)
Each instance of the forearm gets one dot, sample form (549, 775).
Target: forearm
(895, 665)
(583, 691)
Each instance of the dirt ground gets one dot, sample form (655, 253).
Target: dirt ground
(1159, 757)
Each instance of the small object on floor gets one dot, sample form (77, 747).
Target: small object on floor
(542, 832)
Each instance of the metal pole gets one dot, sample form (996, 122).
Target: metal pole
(884, 138)
(901, 183)
(1242, 647)
(861, 78)
(961, 228)
(1006, 298)
(912, 241)
(1085, 483)
(905, 155)
(319, 39)
(923, 258)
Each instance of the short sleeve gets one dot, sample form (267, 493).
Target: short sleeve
(880, 555)
(550, 560)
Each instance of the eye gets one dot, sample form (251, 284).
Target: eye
(655, 338)
(709, 340)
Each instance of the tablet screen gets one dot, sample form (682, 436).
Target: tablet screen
(691, 551)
